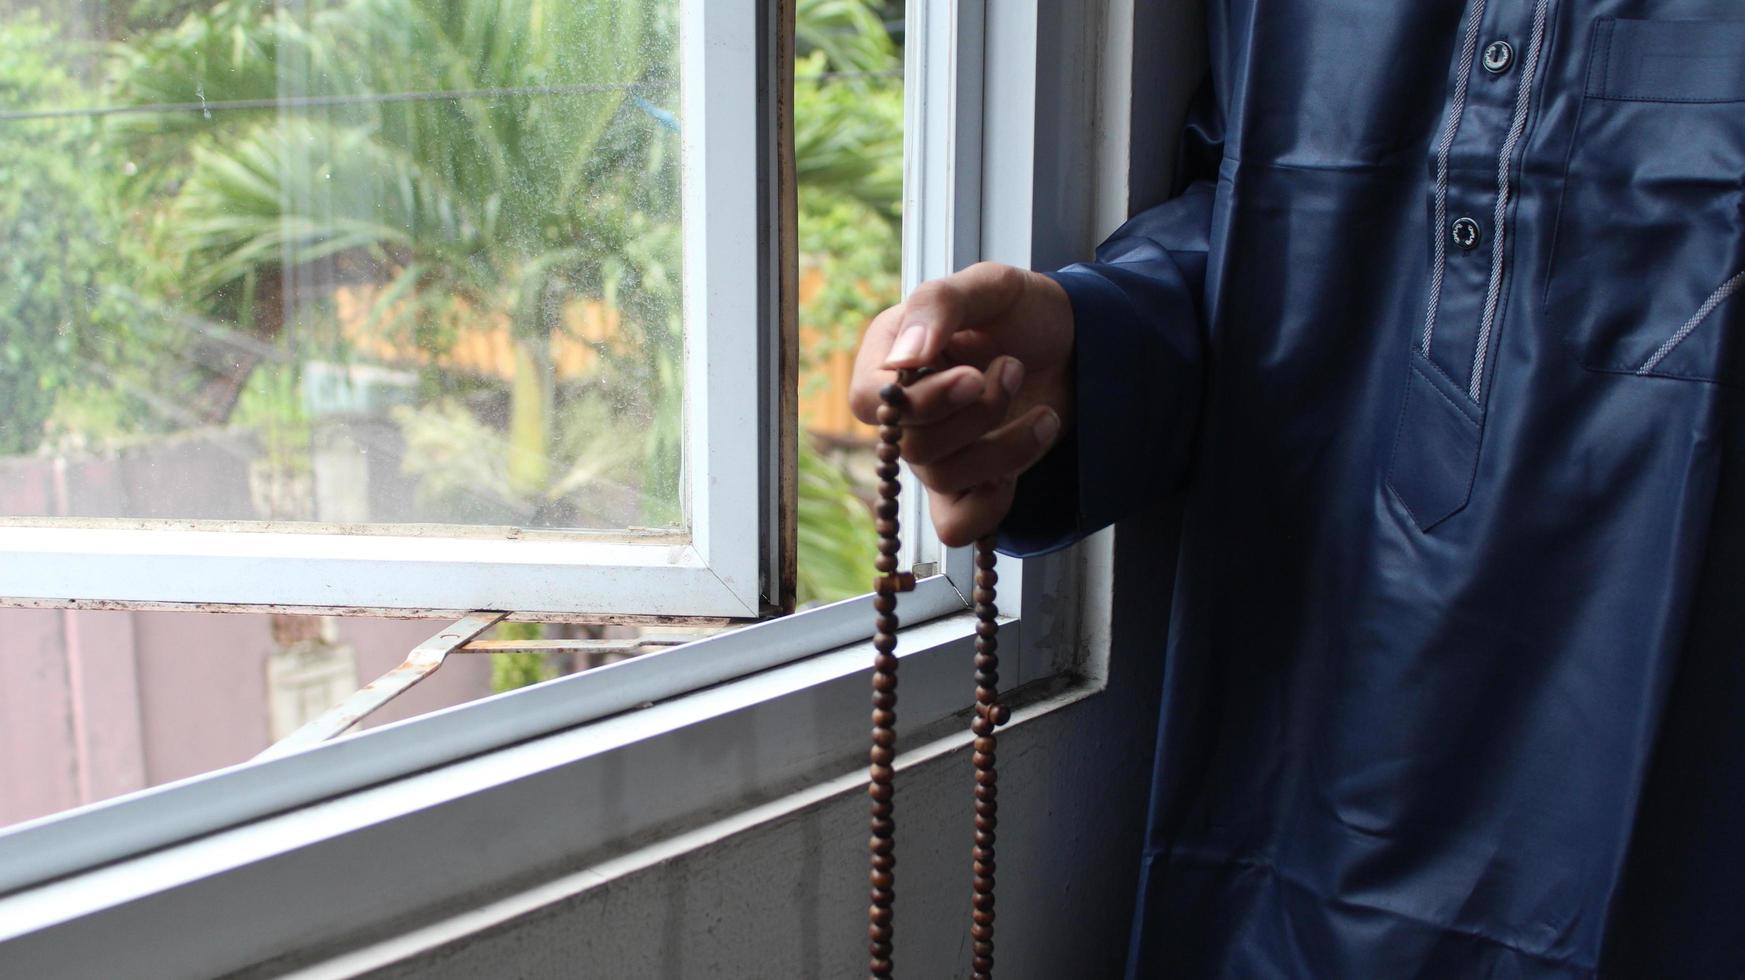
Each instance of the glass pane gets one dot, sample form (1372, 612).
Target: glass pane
(342, 261)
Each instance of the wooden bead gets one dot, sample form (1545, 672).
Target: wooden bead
(889, 415)
(888, 452)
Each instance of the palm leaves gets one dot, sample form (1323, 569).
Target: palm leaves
(435, 151)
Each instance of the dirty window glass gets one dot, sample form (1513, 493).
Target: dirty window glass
(341, 261)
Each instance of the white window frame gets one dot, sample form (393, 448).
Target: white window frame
(724, 566)
(244, 867)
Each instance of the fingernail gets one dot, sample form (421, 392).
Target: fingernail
(1047, 427)
(908, 345)
(1011, 376)
(964, 390)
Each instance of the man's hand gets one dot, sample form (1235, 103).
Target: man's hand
(1001, 339)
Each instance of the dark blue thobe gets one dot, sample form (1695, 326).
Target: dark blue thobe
(1441, 337)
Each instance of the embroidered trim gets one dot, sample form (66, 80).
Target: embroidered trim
(1468, 50)
(1523, 98)
(1715, 299)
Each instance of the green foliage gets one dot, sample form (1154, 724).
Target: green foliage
(512, 670)
(836, 542)
(509, 206)
(849, 35)
(64, 248)
(849, 148)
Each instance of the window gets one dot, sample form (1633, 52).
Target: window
(398, 306)
(639, 745)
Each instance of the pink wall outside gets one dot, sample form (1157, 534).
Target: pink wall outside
(95, 704)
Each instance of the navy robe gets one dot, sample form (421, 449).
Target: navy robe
(1443, 341)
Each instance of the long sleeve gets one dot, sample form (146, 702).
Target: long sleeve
(1139, 364)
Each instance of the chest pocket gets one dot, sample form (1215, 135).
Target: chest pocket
(1648, 273)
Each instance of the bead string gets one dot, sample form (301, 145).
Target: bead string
(989, 713)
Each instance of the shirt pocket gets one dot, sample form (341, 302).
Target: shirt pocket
(1649, 261)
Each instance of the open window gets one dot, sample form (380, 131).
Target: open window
(783, 696)
(424, 309)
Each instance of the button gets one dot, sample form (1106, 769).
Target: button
(1466, 233)
(1498, 56)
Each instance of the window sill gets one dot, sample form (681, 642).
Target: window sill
(547, 805)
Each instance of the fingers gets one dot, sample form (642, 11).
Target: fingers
(964, 518)
(1005, 452)
(930, 441)
(939, 308)
(869, 376)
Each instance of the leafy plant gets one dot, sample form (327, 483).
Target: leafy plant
(64, 246)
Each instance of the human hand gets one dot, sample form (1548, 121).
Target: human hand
(1001, 339)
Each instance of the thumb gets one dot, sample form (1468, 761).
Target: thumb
(941, 307)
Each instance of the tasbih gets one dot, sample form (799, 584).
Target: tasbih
(989, 713)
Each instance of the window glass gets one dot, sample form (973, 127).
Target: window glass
(341, 261)
(346, 380)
